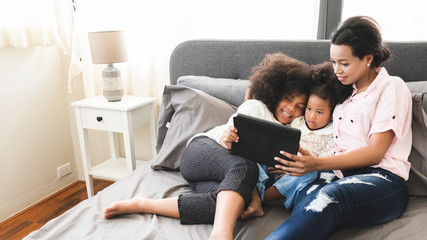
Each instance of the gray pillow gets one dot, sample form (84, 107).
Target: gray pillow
(183, 113)
(417, 182)
(229, 90)
(419, 87)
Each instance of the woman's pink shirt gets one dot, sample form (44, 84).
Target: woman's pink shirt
(385, 105)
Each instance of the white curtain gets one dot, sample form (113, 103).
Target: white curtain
(25, 23)
(28, 23)
(400, 20)
(154, 28)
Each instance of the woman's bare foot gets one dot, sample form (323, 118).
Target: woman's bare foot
(136, 204)
(254, 209)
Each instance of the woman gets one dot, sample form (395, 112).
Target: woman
(372, 131)
(223, 182)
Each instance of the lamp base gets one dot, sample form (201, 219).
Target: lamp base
(113, 86)
(113, 95)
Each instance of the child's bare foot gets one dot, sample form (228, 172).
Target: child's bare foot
(254, 209)
(134, 205)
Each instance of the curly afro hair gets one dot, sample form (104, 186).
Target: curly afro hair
(278, 76)
(326, 85)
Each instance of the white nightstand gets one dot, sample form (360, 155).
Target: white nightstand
(115, 117)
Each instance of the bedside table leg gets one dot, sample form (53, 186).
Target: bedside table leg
(129, 142)
(153, 133)
(114, 145)
(89, 185)
(84, 146)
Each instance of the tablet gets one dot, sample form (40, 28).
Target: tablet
(261, 140)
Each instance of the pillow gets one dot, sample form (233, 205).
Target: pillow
(419, 87)
(229, 90)
(183, 113)
(417, 182)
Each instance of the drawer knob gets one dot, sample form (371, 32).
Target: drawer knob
(99, 119)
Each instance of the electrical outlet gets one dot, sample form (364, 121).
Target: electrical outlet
(64, 170)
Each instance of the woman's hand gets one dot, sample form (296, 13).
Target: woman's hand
(302, 165)
(228, 137)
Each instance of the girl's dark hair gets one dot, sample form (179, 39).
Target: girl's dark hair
(363, 35)
(327, 87)
(277, 76)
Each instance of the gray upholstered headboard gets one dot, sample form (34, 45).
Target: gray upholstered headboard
(235, 59)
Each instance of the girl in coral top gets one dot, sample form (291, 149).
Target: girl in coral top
(372, 131)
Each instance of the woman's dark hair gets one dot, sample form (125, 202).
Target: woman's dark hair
(326, 85)
(363, 35)
(277, 76)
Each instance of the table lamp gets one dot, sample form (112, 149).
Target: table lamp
(108, 47)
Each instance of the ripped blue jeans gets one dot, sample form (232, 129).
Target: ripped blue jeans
(364, 197)
(288, 186)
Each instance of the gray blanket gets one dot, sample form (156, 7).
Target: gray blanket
(85, 220)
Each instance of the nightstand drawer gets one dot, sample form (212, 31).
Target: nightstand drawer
(101, 119)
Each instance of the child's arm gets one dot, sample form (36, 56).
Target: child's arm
(377, 147)
(228, 137)
(273, 170)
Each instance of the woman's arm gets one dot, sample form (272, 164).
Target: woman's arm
(363, 157)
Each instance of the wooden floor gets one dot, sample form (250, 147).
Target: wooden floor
(36, 216)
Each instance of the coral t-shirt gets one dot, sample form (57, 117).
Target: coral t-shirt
(385, 105)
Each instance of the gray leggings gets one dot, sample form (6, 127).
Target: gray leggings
(209, 168)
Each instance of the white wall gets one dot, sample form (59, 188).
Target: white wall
(35, 136)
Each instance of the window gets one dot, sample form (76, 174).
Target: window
(399, 20)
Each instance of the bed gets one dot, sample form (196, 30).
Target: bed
(207, 82)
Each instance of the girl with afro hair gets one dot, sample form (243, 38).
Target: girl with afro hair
(277, 77)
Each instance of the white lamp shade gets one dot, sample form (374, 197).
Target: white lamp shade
(107, 47)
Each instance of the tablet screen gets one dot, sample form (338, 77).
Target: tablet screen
(261, 140)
